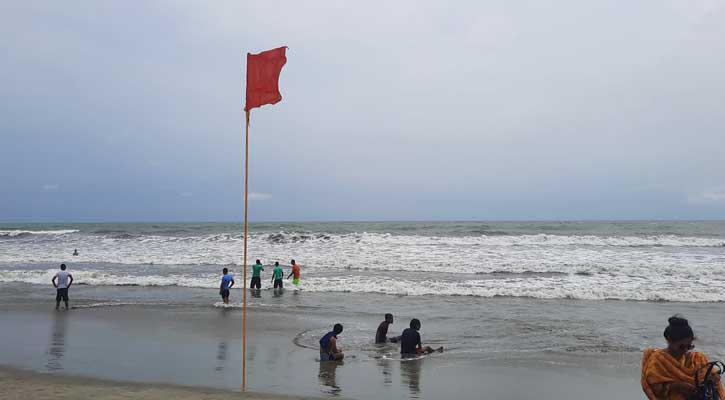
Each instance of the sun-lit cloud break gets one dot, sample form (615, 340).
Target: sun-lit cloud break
(708, 196)
(255, 196)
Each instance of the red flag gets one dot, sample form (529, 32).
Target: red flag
(263, 71)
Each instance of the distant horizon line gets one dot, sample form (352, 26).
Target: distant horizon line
(356, 221)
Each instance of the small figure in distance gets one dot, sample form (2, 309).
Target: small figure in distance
(669, 373)
(277, 275)
(64, 280)
(410, 344)
(227, 283)
(381, 336)
(328, 345)
(257, 269)
(75, 252)
(295, 272)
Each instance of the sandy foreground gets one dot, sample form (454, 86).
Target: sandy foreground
(21, 384)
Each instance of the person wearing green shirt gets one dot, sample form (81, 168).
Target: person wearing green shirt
(277, 275)
(256, 275)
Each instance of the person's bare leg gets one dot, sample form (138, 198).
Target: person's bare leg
(428, 349)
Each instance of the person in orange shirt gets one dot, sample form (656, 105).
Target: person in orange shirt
(669, 373)
(295, 272)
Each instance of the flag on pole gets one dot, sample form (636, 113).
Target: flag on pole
(263, 71)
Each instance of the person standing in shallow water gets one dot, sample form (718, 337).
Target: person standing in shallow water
(257, 269)
(62, 281)
(227, 283)
(669, 373)
(277, 275)
(295, 272)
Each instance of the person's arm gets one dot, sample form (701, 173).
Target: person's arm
(71, 280)
(231, 284)
(221, 285)
(420, 345)
(333, 345)
(53, 281)
(290, 274)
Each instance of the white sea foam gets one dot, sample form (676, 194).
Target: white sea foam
(20, 232)
(568, 266)
(595, 287)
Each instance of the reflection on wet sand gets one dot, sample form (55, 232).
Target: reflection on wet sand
(384, 362)
(221, 355)
(223, 346)
(56, 346)
(327, 377)
(410, 374)
(256, 293)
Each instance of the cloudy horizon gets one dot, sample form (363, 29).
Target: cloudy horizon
(407, 111)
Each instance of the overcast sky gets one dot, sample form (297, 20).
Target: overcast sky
(475, 110)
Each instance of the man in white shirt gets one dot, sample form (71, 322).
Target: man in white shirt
(64, 280)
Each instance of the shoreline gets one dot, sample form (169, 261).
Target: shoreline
(27, 384)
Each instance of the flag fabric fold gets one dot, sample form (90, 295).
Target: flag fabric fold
(263, 71)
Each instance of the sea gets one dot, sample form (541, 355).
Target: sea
(568, 305)
(644, 261)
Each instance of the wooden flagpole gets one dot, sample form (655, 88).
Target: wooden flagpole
(246, 200)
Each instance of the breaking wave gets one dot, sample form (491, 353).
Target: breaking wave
(16, 233)
(565, 286)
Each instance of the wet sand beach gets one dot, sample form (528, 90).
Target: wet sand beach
(505, 348)
(21, 384)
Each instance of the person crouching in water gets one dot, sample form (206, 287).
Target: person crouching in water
(410, 341)
(328, 345)
(381, 336)
(669, 373)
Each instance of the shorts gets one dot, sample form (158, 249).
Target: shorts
(256, 283)
(278, 283)
(327, 357)
(224, 293)
(295, 281)
(61, 294)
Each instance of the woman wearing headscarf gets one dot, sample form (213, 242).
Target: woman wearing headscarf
(669, 373)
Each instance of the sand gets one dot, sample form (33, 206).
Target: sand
(20, 384)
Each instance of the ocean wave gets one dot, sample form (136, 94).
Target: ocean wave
(104, 304)
(12, 233)
(570, 286)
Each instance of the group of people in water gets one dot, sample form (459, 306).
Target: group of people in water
(410, 342)
(675, 372)
(63, 280)
(277, 281)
